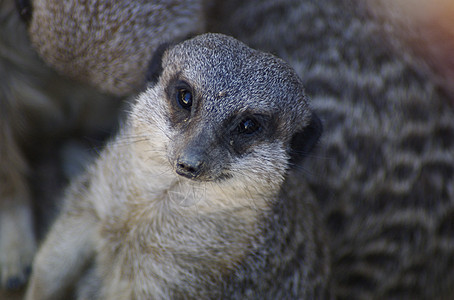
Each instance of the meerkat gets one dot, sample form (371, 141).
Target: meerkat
(384, 171)
(188, 200)
(106, 45)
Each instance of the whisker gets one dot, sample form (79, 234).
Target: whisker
(309, 173)
(312, 155)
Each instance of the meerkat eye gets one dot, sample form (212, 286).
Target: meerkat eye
(248, 126)
(184, 98)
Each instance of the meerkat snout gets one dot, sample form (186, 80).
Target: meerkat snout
(190, 164)
(199, 156)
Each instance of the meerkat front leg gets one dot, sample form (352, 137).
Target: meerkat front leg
(65, 253)
(17, 238)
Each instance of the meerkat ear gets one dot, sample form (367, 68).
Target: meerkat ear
(155, 66)
(303, 141)
(25, 10)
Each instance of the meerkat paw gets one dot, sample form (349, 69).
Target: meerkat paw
(17, 246)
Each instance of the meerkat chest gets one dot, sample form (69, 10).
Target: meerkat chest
(167, 246)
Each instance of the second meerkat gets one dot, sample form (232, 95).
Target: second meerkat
(188, 201)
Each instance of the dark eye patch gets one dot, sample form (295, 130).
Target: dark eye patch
(184, 98)
(248, 125)
(181, 99)
(249, 129)
(180, 94)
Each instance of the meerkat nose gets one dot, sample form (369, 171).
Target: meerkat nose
(189, 165)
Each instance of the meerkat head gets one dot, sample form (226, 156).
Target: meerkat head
(219, 111)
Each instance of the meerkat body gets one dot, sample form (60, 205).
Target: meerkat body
(187, 202)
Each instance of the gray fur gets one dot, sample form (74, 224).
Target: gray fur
(229, 231)
(109, 44)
